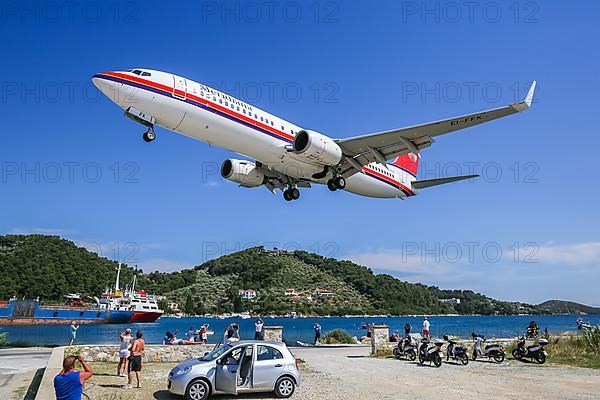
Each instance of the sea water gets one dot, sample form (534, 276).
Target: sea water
(297, 329)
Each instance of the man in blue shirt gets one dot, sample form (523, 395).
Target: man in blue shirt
(68, 384)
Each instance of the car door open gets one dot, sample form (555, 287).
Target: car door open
(228, 370)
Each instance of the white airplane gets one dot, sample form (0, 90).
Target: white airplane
(287, 156)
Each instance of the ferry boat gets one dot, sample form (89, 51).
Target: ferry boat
(144, 307)
(32, 312)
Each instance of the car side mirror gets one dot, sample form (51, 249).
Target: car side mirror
(206, 353)
(219, 361)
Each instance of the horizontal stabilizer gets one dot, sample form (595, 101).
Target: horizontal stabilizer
(440, 181)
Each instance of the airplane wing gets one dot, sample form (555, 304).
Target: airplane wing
(382, 146)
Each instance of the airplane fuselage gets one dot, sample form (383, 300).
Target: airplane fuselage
(198, 111)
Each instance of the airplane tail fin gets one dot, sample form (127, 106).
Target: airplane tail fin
(408, 162)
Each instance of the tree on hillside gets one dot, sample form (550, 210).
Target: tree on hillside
(189, 306)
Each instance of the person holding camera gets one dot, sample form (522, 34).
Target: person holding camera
(68, 384)
(124, 353)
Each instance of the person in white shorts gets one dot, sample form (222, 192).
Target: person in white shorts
(126, 341)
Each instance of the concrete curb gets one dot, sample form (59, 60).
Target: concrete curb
(53, 367)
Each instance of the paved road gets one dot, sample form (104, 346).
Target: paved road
(17, 368)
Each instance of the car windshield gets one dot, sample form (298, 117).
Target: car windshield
(216, 353)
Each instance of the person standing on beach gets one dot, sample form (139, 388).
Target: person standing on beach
(426, 326)
(135, 364)
(258, 331)
(74, 327)
(407, 329)
(124, 353)
(68, 384)
(317, 328)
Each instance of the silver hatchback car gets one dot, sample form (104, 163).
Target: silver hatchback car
(241, 367)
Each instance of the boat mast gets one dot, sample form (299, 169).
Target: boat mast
(118, 276)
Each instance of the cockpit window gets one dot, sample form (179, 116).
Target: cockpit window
(137, 72)
(144, 73)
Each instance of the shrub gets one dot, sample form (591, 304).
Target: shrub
(338, 336)
(592, 338)
(3, 339)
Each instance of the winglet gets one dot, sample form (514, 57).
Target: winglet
(529, 97)
(526, 103)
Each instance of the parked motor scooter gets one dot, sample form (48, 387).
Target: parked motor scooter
(534, 351)
(491, 351)
(406, 348)
(431, 353)
(457, 353)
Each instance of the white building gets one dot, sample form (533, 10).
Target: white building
(451, 301)
(249, 294)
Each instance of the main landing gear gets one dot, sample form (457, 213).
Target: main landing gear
(291, 194)
(336, 183)
(149, 135)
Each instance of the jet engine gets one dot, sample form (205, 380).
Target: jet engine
(317, 148)
(244, 172)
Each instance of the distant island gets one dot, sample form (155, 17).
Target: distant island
(255, 280)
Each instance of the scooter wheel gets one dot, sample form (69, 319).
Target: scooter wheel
(517, 354)
(540, 358)
(396, 352)
(437, 361)
(412, 356)
(464, 360)
(498, 357)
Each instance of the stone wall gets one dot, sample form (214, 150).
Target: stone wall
(380, 339)
(273, 333)
(153, 353)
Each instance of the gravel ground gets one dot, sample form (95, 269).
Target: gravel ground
(345, 373)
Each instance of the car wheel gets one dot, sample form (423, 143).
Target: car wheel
(285, 387)
(197, 390)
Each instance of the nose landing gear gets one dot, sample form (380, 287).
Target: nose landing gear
(149, 135)
(291, 194)
(336, 183)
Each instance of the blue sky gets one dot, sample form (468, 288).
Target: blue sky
(73, 165)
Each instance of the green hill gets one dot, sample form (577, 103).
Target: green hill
(49, 267)
(565, 307)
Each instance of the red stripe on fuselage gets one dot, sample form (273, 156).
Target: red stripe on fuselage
(388, 179)
(200, 100)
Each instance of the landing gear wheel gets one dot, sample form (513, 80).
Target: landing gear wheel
(287, 195)
(149, 136)
(295, 194)
(331, 185)
(340, 182)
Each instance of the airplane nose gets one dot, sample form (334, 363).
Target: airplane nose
(108, 87)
